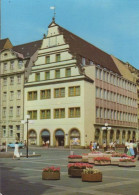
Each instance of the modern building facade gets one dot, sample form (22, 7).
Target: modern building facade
(15, 66)
(73, 89)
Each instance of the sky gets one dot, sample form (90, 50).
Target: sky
(111, 25)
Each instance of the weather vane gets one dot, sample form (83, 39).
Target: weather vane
(53, 7)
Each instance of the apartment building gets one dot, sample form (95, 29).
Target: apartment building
(74, 89)
(16, 62)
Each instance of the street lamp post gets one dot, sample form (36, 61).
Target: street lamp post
(27, 122)
(106, 128)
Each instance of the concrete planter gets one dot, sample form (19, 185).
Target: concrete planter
(92, 177)
(102, 163)
(74, 160)
(127, 164)
(73, 172)
(115, 160)
(50, 175)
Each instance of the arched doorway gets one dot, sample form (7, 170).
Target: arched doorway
(128, 135)
(59, 135)
(104, 138)
(45, 137)
(75, 137)
(97, 135)
(134, 135)
(117, 136)
(32, 137)
(111, 135)
(123, 137)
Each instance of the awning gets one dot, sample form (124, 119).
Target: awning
(59, 133)
(45, 134)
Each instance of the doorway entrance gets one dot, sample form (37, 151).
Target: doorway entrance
(59, 135)
(45, 135)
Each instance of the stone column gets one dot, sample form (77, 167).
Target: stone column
(120, 137)
(51, 140)
(100, 138)
(114, 135)
(108, 137)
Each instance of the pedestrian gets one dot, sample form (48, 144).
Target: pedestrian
(97, 146)
(104, 146)
(94, 145)
(130, 151)
(126, 146)
(16, 151)
(135, 148)
(90, 146)
(47, 143)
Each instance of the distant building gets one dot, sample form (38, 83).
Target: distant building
(73, 89)
(15, 66)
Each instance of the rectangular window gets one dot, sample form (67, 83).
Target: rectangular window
(18, 94)
(18, 110)
(12, 65)
(11, 80)
(74, 112)
(57, 74)
(4, 131)
(68, 72)
(11, 112)
(37, 77)
(20, 64)
(4, 112)
(11, 130)
(60, 92)
(33, 114)
(47, 75)
(5, 66)
(4, 81)
(45, 94)
(11, 95)
(59, 113)
(74, 91)
(32, 95)
(18, 127)
(19, 79)
(45, 114)
(58, 57)
(47, 59)
(4, 96)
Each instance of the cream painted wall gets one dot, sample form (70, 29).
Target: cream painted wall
(52, 124)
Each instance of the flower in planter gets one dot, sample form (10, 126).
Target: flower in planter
(101, 159)
(127, 160)
(91, 171)
(51, 169)
(74, 156)
(79, 165)
(85, 154)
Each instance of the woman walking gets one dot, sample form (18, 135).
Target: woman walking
(16, 151)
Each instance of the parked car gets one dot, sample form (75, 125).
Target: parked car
(12, 145)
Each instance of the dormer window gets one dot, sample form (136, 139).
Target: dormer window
(5, 54)
(83, 62)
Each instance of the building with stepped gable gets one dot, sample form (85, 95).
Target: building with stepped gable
(73, 90)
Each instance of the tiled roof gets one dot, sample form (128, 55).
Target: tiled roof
(2, 43)
(78, 46)
(28, 49)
